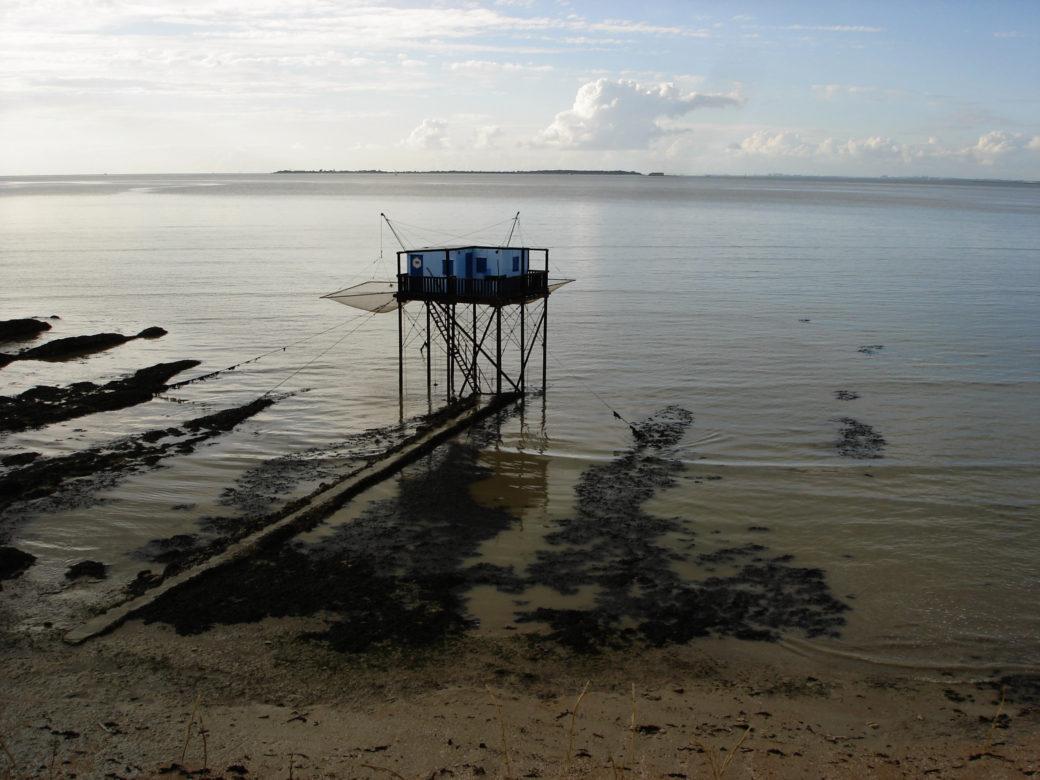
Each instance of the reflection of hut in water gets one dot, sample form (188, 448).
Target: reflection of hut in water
(519, 481)
(483, 309)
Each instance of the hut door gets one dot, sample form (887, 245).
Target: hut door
(415, 264)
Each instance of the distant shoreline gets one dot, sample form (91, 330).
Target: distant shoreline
(8, 179)
(658, 174)
(561, 171)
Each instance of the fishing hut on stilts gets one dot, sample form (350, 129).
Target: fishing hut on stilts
(484, 309)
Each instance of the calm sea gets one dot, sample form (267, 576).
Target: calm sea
(746, 301)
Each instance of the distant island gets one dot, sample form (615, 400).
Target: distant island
(497, 173)
(782, 176)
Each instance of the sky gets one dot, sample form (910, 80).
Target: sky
(911, 88)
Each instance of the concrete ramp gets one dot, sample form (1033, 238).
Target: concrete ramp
(316, 507)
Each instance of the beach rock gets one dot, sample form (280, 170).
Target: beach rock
(13, 562)
(19, 459)
(93, 569)
(12, 330)
(44, 404)
(77, 346)
(89, 470)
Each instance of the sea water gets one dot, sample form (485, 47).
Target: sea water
(750, 302)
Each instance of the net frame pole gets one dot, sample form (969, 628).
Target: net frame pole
(400, 342)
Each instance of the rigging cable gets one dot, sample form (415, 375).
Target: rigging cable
(597, 396)
(364, 321)
(212, 374)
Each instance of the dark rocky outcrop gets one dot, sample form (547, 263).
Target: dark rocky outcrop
(77, 346)
(13, 562)
(44, 404)
(16, 330)
(93, 569)
(46, 476)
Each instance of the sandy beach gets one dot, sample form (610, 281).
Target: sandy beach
(255, 701)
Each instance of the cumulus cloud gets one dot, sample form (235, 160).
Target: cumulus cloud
(991, 148)
(999, 144)
(488, 137)
(430, 134)
(833, 91)
(487, 67)
(776, 144)
(767, 143)
(624, 114)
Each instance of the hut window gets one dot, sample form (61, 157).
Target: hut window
(516, 263)
(481, 265)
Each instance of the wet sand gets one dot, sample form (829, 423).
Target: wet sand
(273, 706)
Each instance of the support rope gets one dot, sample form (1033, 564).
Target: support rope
(364, 321)
(213, 374)
(597, 396)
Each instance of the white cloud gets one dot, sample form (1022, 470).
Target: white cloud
(834, 28)
(488, 137)
(832, 91)
(627, 27)
(829, 91)
(998, 144)
(779, 144)
(875, 147)
(767, 143)
(430, 134)
(488, 67)
(624, 114)
(992, 148)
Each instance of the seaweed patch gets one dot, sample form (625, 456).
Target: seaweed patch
(613, 544)
(858, 440)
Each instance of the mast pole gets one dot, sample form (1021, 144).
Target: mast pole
(399, 241)
(498, 350)
(475, 387)
(429, 360)
(523, 347)
(545, 325)
(400, 341)
(515, 220)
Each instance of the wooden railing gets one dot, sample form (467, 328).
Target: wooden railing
(491, 289)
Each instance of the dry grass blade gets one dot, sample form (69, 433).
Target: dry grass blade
(632, 727)
(502, 725)
(574, 714)
(191, 722)
(205, 744)
(719, 769)
(996, 719)
(12, 764)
